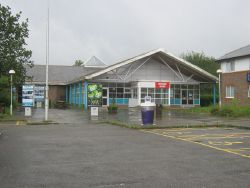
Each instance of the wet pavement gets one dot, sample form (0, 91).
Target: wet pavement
(132, 116)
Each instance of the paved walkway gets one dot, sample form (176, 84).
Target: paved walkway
(133, 116)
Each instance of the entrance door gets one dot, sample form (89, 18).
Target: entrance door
(105, 96)
(184, 97)
(190, 97)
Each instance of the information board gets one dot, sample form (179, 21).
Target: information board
(27, 95)
(39, 93)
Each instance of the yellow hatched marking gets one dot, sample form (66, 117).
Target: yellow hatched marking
(206, 145)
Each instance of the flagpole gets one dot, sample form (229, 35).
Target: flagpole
(47, 69)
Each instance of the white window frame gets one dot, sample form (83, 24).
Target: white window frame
(230, 66)
(248, 91)
(230, 92)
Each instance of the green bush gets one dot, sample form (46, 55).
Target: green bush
(232, 110)
(207, 100)
(214, 110)
(226, 112)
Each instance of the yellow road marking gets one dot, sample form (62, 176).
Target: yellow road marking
(206, 145)
(223, 143)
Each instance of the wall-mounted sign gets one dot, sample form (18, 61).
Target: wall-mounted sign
(159, 85)
(39, 93)
(27, 95)
(248, 77)
(94, 95)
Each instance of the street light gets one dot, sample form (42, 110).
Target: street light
(11, 72)
(219, 71)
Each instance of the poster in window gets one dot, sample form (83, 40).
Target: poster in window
(94, 95)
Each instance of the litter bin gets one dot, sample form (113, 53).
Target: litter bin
(147, 112)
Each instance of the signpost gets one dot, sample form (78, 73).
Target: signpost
(94, 98)
(27, 96)
(94, 95)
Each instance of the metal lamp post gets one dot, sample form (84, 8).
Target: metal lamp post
(219, 71)
(11, 72)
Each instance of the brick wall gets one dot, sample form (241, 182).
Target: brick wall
(57, 93)
(239, 81)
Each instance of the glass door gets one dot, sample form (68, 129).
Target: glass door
(184, 97)
(105, 97)
(190, 97)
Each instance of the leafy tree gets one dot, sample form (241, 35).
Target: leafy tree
(4, 90)
(201, 60)
(78, 63)
(13, 52)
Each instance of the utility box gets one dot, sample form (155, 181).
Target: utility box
(28, 111)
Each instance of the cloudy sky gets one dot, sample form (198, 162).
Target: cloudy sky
(114, 30)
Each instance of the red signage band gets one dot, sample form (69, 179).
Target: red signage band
(159, 85)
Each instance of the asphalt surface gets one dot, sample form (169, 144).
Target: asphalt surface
(95, 155)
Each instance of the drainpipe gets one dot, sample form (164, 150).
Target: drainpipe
(85, 95)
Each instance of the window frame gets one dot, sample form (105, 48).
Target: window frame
(248, 91)
(231, 94)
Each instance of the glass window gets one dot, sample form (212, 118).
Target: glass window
(230, 66)
(119, 90)
(184, 86)
(249, 91)
(196, 86)
(177, 86)
(230, 92)
(144, 90)
(196, 94)
(135, 93)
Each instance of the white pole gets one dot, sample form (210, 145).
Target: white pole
(219, 92)
(47, 70)
(11, 107)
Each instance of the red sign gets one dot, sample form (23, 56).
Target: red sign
(162, 85)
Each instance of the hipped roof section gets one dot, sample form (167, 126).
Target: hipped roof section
(158, 52)
(241, 52)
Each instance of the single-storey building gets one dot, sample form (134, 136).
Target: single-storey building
(167, 79)
(235, 77)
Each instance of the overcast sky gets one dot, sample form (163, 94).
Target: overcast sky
(114, 30)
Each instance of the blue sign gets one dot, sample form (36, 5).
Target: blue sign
(248, 77)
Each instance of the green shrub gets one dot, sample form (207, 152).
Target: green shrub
(226, 112)
(232, 110)
(207, 100)
(214, 111)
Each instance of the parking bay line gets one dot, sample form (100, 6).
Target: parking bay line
(206, 145)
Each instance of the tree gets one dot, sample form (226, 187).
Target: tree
(13, 52)
(209, 64)
(78, 63)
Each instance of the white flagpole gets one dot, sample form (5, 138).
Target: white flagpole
(47, 69)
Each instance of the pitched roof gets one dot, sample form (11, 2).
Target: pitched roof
(175, 59)
(244, 51)
(58, 74)
(94, 62)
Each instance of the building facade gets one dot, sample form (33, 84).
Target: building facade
(235, 77)
(165, 78)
